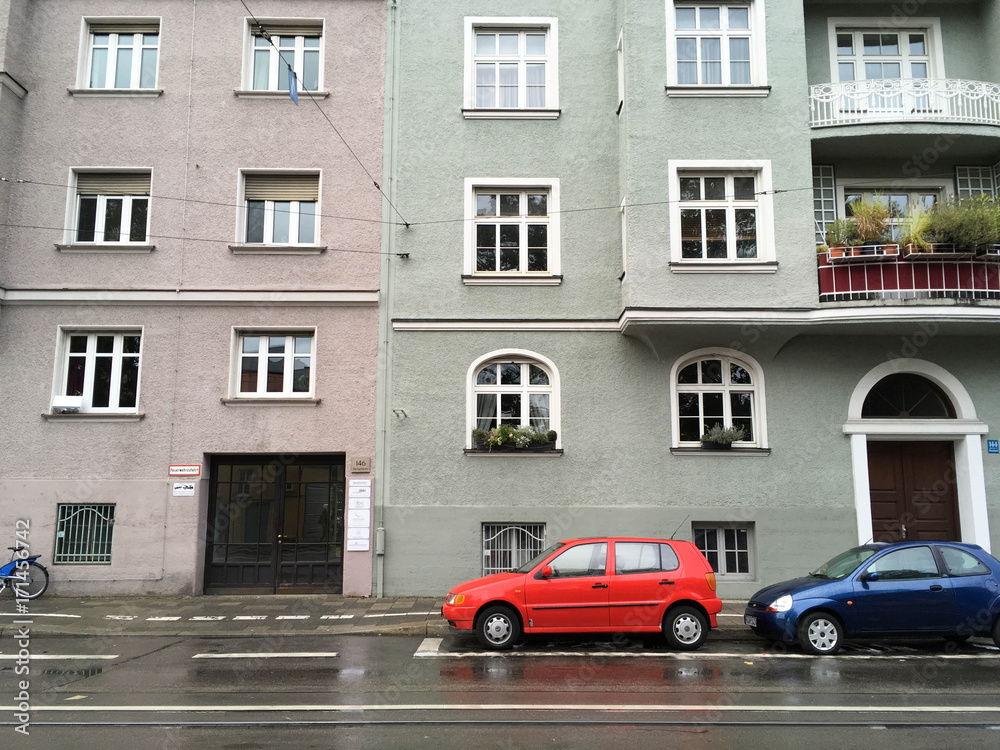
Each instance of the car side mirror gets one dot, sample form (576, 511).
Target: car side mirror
(546, 572)
(869, 576)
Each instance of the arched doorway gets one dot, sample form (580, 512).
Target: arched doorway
(917, 453)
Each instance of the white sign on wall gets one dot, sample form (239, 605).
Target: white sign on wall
(359, 515)
(183, 489)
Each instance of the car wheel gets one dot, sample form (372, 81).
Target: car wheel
(996, 631)
(821, 633)
(498, 628)
(685, 628)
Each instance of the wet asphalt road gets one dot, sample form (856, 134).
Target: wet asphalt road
(395, 691)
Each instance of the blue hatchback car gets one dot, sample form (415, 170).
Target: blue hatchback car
(920, 589)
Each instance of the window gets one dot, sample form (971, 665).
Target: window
(511, 67)
(900, 203)
(512, 235)
(507, 546)
(727, 547)
(280, 208)
(909, 563)
(84, 533)
(960, 563)
(718, 387)
(279, 44)
(973, 181)
(581, 560)
(824, 199)
(513, 387)
(644, 557)
(878, 54)
(122, 55)
(112, 208)
(274, 364)
(718, 45)
(102, 369)
(720, 215)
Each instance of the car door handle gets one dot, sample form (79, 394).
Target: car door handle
(666, 583)
(599, 586)
(936, 587)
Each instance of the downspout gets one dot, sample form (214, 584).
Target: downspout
(383, 373)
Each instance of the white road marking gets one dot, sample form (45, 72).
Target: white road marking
(120, 617)
(162, 619)
(603, 708)
(36, 614)
(430, 648)
(726, 614)
(263, 655)
(250, 617)
(61, 657)
(336, 617)
(207, 618)
(292, 617)
(401, 614)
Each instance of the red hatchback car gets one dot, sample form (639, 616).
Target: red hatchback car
(606, 584)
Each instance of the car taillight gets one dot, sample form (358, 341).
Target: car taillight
(710, 579)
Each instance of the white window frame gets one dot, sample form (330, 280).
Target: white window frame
(551, 59)
(720, 527)
(85, 60)
(293, 227)
(278, 74)
(61, 373)
(551, 276)
(761, 171)
(513, 355)
(758, 52)
(71, 231)
(930, 26)
(261, 394)
(751, 365)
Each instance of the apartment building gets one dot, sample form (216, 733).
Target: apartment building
(609, 223)
(189, 274)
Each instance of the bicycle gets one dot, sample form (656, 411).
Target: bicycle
(26, 577)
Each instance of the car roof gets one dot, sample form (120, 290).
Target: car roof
(621, 539)
(921, 543)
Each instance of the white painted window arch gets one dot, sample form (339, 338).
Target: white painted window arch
(717, 385)
(516, 386)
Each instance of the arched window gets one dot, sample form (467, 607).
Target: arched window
(907, 396)
(717, 387)
(516, 388)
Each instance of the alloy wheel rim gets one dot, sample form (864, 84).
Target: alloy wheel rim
(822, 634)
(687, 629)
(497, 629)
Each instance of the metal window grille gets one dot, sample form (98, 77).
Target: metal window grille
(972, 181)
(83, 534)
(824, 199)
(508, 546)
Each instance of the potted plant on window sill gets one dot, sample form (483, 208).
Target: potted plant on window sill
(508, 438)
(719, 438)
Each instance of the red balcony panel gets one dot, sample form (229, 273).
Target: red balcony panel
(890, 275)
(873, 276)
(903, 279)
(949, 272)
(859, 278)
(966, 277)
(904, 274)
(935, 276)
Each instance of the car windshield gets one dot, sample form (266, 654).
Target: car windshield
(843, 564)
(526, 568)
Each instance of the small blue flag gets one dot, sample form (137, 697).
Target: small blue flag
(293, 86)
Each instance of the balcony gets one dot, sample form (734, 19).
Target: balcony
(903, 276)
(904, 100)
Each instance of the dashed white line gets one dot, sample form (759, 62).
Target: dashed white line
(336, 617)
(162, 619)
(127, 618)
(401, 614)
(250, 617)
(61, 657)
(37, 614)
(265, 655)
(207, 618)
(292, 617)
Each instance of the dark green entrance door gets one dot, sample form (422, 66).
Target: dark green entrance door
(276, 522)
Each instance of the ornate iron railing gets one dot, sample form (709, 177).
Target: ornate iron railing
(904, 100)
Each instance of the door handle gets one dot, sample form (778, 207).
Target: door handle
(936, 587)
(599, 586)
(666, 583)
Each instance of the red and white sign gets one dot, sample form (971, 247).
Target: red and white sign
(184, 470)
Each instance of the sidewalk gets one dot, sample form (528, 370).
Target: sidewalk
(292, 614)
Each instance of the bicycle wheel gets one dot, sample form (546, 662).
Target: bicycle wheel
(33, 583)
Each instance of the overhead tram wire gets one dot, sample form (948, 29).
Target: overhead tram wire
(264, 33)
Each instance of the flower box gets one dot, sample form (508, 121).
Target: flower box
(938, 251)
(864, 253)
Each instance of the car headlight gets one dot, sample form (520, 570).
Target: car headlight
(456, 599)
(781, 604)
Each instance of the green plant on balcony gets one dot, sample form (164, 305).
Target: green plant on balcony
(915, 229)
(969, 224)
(871, 217)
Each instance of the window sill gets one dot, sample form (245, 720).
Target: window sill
(723, 266)
(106, 248)
(252, 94)
(270, 401)
(256, 249)
(482, 279)
(92, 417)
(511, 114)
(117, 93)
(751, 452)
(718, 91)
(518, 453)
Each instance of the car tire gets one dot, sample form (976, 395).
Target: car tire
(821, 633)
(498, 628)
(685, 628)
(996, 631)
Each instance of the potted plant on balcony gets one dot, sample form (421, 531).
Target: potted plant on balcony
(839, 233)
(719, 438)
(915, 230)
(970, 225)
(871, 217)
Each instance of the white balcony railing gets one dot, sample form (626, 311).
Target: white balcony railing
(904, 100)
